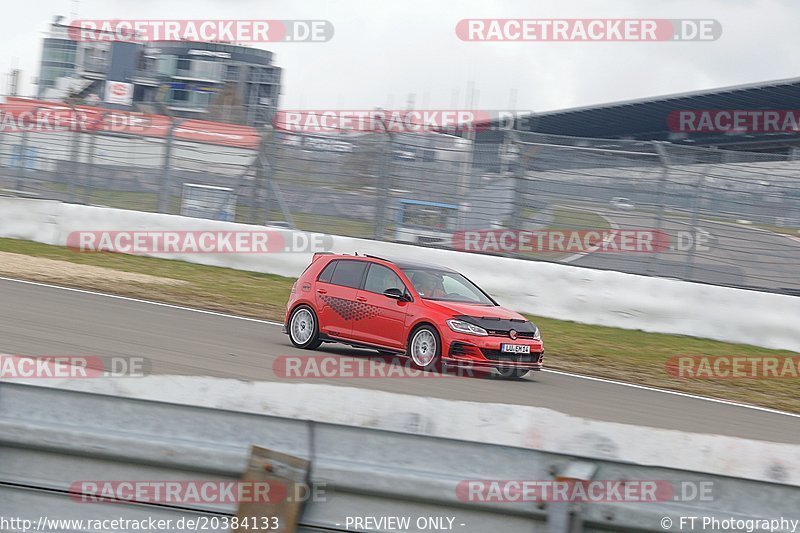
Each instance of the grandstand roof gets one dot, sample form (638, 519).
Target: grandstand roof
(646, 118)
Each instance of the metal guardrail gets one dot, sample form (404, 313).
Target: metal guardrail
(52, 438)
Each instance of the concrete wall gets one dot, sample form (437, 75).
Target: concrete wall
(552, 290)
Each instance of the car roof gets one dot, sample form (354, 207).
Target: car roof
(400, 263)
(403, 264)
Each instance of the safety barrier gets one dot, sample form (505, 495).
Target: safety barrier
(552, 290)
(388, 460)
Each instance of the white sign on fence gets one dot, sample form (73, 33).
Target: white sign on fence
(119, 92)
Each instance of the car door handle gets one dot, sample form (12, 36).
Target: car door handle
(322, 291)
(360, 299)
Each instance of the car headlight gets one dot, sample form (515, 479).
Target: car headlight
(537, 335)
(465, 327)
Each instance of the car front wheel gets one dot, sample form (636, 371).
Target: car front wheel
(425, 348)
(304, 329)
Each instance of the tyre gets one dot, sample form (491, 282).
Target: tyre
(304, 328)
(512, 373)
(425, 348)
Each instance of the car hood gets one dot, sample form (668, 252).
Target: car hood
(476, 310)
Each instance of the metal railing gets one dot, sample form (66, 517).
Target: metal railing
(733, 218)
(53, 439)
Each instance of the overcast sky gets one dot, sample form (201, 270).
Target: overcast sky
(384, 50)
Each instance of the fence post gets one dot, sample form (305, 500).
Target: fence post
(698, 190)
(663, 156)
(519, 184)
(75, 164)
(90, 169)
(266, 169)
(266, 173)
(382, 191)
(88, 186)
(284, 207)
(259, 187)
(23, 148)
(166, 178)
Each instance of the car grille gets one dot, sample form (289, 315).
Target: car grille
(497, 355)
(504, 333)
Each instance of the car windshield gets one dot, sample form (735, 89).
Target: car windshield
(433, 284)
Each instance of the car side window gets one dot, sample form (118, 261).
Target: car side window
(349, 273)
(327, 272)
(380, 278)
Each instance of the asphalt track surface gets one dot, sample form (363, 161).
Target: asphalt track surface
(42, 320)
(739, 255)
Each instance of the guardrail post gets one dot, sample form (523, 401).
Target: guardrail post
(279, 506)
(565, 517)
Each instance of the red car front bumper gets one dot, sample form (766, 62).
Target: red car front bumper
(485, 352)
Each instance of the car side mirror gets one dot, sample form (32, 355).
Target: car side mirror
(395, 294)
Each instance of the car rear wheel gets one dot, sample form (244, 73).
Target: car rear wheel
(425, 348)
(303, 328)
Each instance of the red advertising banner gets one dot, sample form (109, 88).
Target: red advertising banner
(25, 114)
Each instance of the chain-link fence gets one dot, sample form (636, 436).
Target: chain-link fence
(731, 218)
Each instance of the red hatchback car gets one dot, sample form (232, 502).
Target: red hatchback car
(432, 314)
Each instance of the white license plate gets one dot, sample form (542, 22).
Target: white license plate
(515, 348)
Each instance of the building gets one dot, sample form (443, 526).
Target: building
(214, 81)
(209, 80)
(59, 59)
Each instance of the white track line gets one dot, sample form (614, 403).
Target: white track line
(129, 299)
(752, 228)
(675, 393)
(272, 323)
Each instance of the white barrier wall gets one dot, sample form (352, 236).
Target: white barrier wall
(502, 424)
(546, 289)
